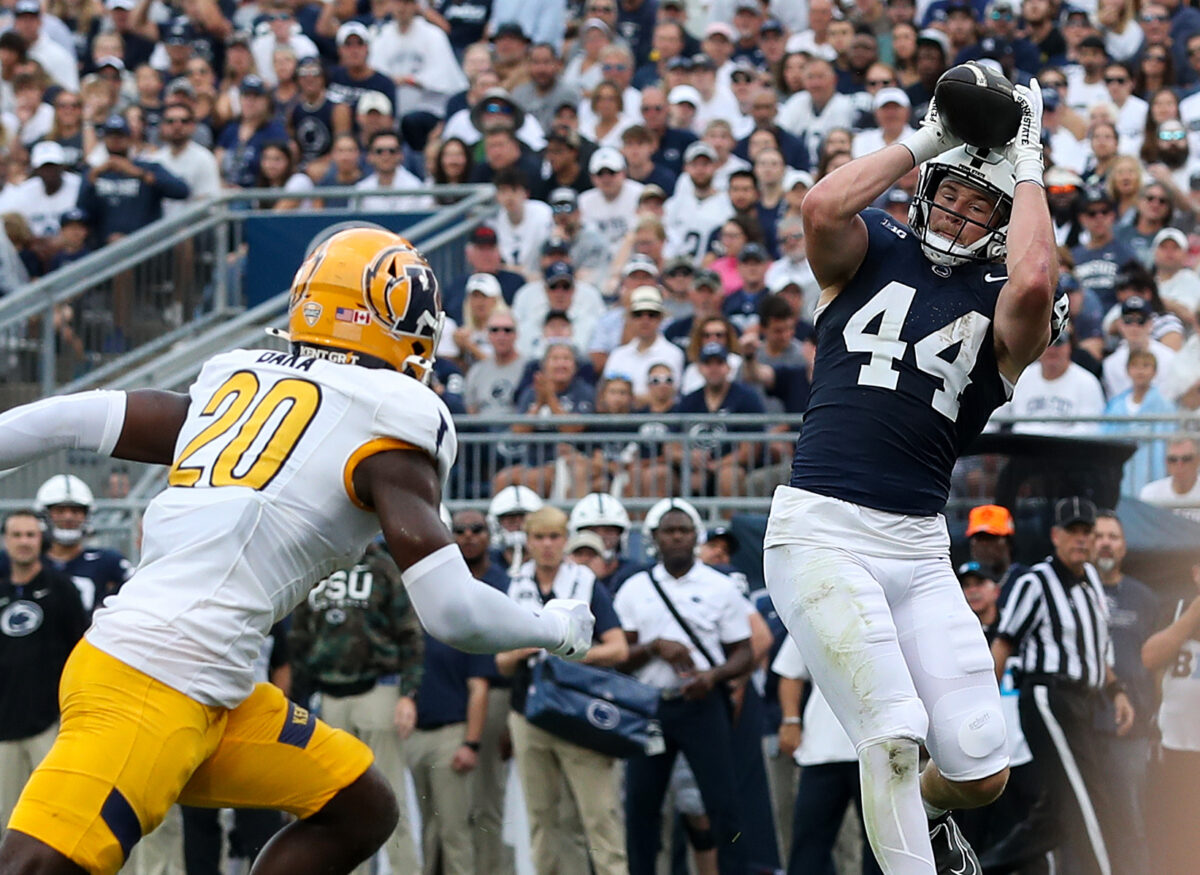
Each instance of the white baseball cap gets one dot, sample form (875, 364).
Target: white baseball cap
(373, 101)
(884, 96)
(685, 94)
(353, 28)
(485, 284)
(1161, 237)
(606, 158)
(47, 152)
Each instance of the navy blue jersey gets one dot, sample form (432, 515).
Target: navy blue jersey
(96, 572)
(905, 376)
(312, 127)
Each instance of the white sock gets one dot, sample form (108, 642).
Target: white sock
(892, 811)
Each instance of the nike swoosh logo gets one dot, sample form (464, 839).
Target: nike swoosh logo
(40, 593)
(988, 278)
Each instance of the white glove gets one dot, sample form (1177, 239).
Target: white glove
(577, 625)
(931, 138)
(1025, 150)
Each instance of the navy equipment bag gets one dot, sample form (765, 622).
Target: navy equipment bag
(597, 708)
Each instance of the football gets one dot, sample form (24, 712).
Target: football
(976, 105)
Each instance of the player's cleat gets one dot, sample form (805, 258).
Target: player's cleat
(577, 623)
(952, 854)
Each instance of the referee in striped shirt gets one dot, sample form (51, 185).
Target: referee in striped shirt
(1056, 622)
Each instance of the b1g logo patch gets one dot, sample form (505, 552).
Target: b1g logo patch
(21, 618)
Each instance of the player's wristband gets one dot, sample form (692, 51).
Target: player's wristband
(924, 144)
(473, 745)
(790, 721)
(1113, 688)
(1029, 168)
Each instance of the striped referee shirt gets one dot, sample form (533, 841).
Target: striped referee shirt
(1058, 624)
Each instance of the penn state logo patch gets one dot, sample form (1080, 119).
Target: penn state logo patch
(21, 618)
(602, 715)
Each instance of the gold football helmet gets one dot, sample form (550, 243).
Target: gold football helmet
(367, 296)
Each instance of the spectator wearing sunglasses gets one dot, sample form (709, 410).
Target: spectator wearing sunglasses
(1133, 280)
(1134, 329)
(282, 30)
(1097, 261)
(1176, 163)
(491, 108)
(647, 347)
(1131, 110)
(384, 154)
(491, 383)
(1180, 489)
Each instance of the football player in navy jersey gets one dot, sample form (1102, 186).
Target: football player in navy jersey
(921, 333)
(97, 572)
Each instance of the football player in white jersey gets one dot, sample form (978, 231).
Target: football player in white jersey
(283, 467)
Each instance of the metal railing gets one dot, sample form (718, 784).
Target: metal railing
(640, 458)
(170, 282)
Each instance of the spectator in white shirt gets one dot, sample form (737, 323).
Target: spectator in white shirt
(815, 40)
(522, 226)
(383, 154)
(417, 55)
(716, 100)
(1131, 110)
(610, 207)
(892, 110)
(792, 267)
(699, 207)
(1056, 387)
(1178, 285)
(282, 30)
(559, 293)
(186, 158)
(57, 61)
(648, 347)
(1134, 328)
(48, 193)
(812, 113)
(1180, 489)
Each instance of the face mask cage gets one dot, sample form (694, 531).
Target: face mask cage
(953, 251)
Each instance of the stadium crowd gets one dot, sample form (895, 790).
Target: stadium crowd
(646, 256)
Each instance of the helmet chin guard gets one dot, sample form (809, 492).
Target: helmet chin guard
(983, 170)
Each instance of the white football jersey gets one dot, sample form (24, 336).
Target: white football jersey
(260, 506)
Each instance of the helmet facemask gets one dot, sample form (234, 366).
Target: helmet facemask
(979, 170)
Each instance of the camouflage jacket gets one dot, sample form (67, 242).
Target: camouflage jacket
(358, 627)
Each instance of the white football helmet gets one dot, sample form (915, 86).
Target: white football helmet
(658, 511)
(511, 500)
(982, 169)
(600, 509)
(65, 489)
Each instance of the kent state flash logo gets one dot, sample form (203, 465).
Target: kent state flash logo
(21, 618)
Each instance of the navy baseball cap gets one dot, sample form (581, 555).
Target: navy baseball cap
(753, 252)
(711, 351)
(724, 532)
(252, 84)
(115, 124)
(1135, 306)
(680, 62)
(73, 215)
(972, 569)
(1070, 511)
(556, 246)
(179, 32)
(558, 271)
(771, 25)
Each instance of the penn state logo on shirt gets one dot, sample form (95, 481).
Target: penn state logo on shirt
(21, 618)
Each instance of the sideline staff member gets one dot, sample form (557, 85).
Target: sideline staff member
(41, 619)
